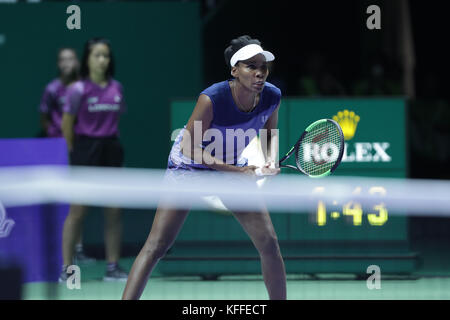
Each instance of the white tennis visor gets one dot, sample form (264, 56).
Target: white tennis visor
(249, 51)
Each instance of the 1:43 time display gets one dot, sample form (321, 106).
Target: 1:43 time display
(377, 216)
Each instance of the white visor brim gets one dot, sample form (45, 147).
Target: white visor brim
(249, 51)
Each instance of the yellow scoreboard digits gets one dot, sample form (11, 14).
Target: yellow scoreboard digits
(380, 218)
(321, 214)
(321, 217)
(353, 209)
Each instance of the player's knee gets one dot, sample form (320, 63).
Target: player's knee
(157, 249)
(268, 245)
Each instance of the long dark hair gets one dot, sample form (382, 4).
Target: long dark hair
(84, 71)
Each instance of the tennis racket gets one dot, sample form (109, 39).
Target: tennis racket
(319, 150)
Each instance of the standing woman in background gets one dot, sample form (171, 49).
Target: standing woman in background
(55, 92)
(90, 126)
(51, 111)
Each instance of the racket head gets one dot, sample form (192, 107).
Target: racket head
(319, 150)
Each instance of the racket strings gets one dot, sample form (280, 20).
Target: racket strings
(319, 149)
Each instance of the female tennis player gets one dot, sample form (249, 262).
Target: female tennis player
(245, 101)
(90, 126)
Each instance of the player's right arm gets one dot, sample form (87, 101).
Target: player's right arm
(192, 149)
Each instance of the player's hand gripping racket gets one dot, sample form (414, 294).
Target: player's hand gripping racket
(319, 150)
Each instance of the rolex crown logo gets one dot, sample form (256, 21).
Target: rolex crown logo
(348, 121)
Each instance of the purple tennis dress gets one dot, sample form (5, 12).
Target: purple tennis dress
(97, 108)
(227, 117)
(52, 102)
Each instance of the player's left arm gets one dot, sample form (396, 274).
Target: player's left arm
(270, 147)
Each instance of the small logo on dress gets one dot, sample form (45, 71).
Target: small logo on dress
(91, 100)
(264, 119)
(117, 98)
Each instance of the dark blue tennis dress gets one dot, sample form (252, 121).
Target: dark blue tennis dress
(232, 123)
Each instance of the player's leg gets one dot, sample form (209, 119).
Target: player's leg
(113, 234)
(79, 244)
(71, 232)
(73, 223)
(80, 255)
(113, 239)
(85, 152)
(166, 226)
(259, 227)
(111, 154)
(79, 240)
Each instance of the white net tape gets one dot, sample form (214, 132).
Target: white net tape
(144, 188)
